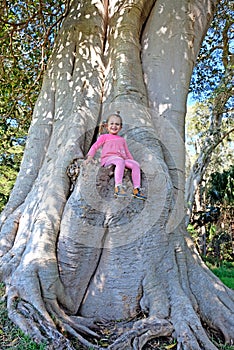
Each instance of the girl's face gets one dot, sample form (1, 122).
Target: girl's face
(114, 125)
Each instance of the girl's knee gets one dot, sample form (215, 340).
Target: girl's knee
(132, 164)
(120, 161)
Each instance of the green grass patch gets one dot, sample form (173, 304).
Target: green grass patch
(11, 337)
(225, 272)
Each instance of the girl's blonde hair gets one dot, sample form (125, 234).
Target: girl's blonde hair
(103, 125)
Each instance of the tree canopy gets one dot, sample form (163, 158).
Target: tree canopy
(213, 70)
(27, 33)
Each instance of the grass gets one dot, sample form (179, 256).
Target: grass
(225, 272)
(12, 338)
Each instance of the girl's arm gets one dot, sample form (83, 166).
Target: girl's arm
(88, 160)
(100, 141)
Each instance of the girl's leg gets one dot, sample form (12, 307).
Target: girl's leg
(119, 169)
(136, 178)
(136, 172)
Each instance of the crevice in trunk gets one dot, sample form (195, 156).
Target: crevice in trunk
(95, 269)
(73, 61)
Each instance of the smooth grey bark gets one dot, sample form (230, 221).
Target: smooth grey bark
(80, 257)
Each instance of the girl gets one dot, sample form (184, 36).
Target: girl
(115, 152)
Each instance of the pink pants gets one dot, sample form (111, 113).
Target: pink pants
(120, 165)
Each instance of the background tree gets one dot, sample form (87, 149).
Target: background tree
(210, 128)
(212, 84)
(220, 193)
(27, 32)
(72, 259)
(212, 221)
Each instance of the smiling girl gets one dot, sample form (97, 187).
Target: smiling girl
(115, 152)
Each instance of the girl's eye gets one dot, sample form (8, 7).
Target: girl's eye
(117, 124)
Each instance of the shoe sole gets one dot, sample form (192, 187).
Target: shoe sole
(120, 195)
(143, 199)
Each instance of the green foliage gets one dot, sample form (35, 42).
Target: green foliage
(27, 33)
(221, 187)
(200, 134)
(210, 136)
(210, 123)
(215, 62)
(11, 152)
(216, 217)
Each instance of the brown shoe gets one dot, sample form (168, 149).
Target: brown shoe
(138, 194)
(119, 191)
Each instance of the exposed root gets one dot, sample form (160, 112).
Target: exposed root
(189, 331)
(141, 332)
(193, 337)
(44, 329)
(70, 324)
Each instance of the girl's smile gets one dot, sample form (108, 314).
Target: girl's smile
(114, 125)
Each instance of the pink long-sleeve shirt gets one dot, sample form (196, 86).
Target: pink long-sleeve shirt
(112, 146)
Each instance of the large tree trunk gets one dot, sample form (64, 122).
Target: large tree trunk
(80, 257)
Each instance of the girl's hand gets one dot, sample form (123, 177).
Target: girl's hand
(88, 160)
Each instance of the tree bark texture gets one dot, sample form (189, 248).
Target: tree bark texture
(72, 256)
